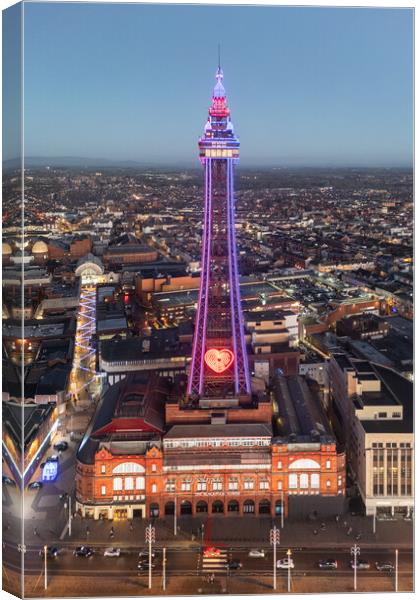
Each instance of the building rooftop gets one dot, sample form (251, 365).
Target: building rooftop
(301, 417)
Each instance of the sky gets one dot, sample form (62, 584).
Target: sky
(306, 86)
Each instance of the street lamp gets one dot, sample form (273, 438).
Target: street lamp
(45, 567)
(164, 570)
(289, 554)
(274, 540)
(355, 551)
(282, 509)
(68, 499)
(150, 538)
(396, 570)
(175, 524)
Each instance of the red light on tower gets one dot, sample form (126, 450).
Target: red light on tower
(219, 360)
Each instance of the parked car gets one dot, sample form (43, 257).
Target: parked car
(329, 563)
(35, 485)
(211, 552)
(360, 564)
(285, 563)
(61, 446)
(254, 553)
(52, 552)
(384, 566)
(234, 564)
(112, 551)
(83, 551)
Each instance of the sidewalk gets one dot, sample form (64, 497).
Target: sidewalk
(244, 531)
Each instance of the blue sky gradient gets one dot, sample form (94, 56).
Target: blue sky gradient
(306, 86)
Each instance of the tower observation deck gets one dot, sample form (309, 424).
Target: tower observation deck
(219, 366)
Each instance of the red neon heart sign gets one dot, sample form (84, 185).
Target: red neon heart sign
(219, 360)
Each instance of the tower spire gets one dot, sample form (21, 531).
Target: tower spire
(218, 48)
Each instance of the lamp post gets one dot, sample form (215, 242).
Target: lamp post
(68, 500)
(274, 540)
(175, 524)
(355, 551)
(289, 554)
(374, 520)
(164, 570)
(282, 510)
(45, 568)
(396, 570)
(150, 537)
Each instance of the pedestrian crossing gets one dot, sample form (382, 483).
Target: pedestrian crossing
(215, 564)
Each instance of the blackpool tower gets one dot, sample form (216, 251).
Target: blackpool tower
(219, 366)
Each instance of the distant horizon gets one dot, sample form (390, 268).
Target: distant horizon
(80, 161)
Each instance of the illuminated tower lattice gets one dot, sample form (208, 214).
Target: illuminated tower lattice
(219, 367)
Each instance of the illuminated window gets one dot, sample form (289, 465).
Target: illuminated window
(217, 485)
(249, 484)
(328, 483)
(264, 484)
(139, 483)
(304, 480)
(293, 481)
(129, 483)
(201, 486)
(153, 467)
(279, 465)
(315, 480)
(328, 464)
(186, 485)
(103, 469)
(103, 490)
(170, 485)
(117, 484)
(233, 484)
(279, 484)
(154, 488)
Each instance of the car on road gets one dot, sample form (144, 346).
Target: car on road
(255, 553)
(386, 566)
(145, 553)
(234, 564)
(8, 481)
(52, 552)
(61, 446)
(329, 563)
(83, 551)
(211, 552)
(35, 485)
(112, 552)
(144, 565)
(360, 564)
(285, 563)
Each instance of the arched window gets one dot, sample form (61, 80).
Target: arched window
(129, 483)
(304, 463)
(117, 484)
(128, 467)
(154, 488)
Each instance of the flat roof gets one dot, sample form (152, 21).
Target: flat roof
(228, 430)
